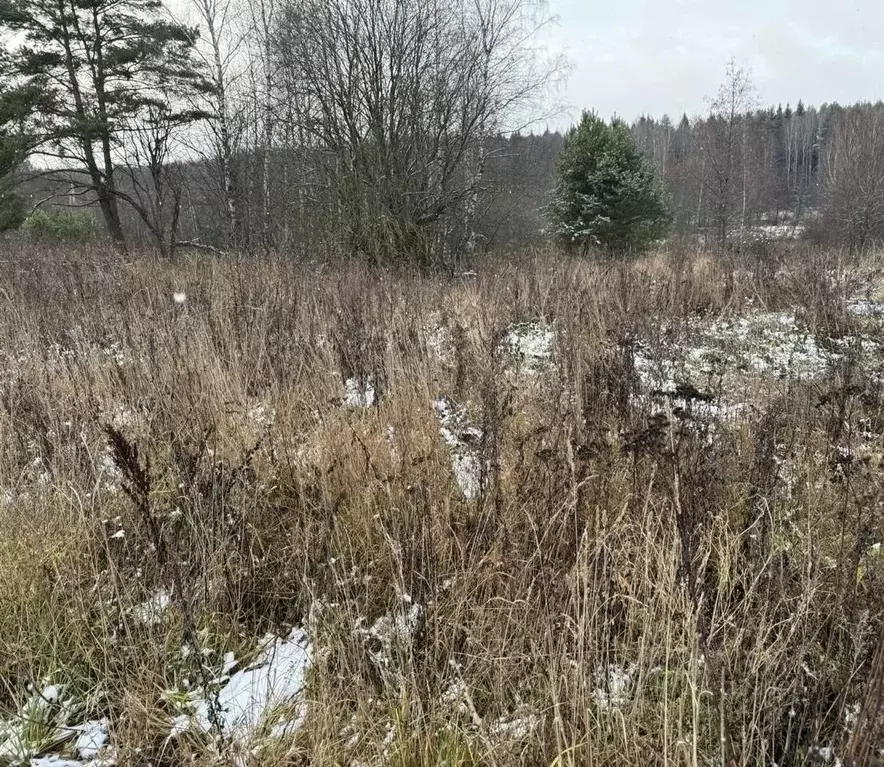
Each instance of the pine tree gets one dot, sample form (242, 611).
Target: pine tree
(94, 66)
(606, 192)
(15, 108)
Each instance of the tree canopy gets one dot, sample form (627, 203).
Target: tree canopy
(15, 108)
(606, 194)
(94, 68)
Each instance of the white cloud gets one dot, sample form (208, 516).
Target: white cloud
(646, 56)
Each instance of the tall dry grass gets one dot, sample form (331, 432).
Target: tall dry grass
(608, 542)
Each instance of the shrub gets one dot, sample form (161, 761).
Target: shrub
(65, 226)
(12, 209)
(607, 194)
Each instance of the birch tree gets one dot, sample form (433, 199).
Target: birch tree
(725, 150)
(221, 50)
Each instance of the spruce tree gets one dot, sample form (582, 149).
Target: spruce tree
(607, 194)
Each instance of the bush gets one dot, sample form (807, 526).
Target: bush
(12, 209)
(607, 195)
(65, 226)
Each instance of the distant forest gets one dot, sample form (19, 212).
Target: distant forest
(376, 127)
(807, 170)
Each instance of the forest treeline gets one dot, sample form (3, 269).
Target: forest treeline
(391, 129)
(818, 170)
(811, 171)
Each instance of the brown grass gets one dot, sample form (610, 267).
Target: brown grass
(749, 618)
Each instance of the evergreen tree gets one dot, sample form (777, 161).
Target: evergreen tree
(93, 66)
(15, 107)
(606, 194)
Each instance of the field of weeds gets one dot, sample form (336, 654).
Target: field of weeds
(549, 513)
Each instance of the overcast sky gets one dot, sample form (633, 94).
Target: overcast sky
(631, 57)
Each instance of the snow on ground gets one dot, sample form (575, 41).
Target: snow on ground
(262, 415)
(247, 699)
(530, 344)
(91, 738)
(151, 611)
(464, 442)
(778, 231)
(54, 760)
(863, 307)
(359, 393)
(44, 732)
(438, 338)
(516, 727)
(766, 343)
(613, 686)
(387, 635)
(721, 356)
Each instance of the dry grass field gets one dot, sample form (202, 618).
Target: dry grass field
(554, 512)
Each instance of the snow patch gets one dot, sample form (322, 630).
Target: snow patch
(389, 632)
(514, 728)
(151, 611)
(464, 441)
(360, 392)
(613, 685)
(45, 723)
(246, 699)
(263, 416)
(438, 339)
(531, 344)
(91, 738)
(725, 354)
(862, 307)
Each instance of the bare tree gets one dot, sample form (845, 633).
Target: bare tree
(262, 74)
(725, 150)
(398, 99)
(854, 178)
(219, 49)
(154, 177)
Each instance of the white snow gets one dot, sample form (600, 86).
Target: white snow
(468, 473)
(262, 416)
(49, 714)
(826, 754)
(391, 631)
(359, 393)
(438, 339)
(464, 440)
(530, 343)
(91, 738)
(246, 699)
(514, 728)
(125, 417)
(151, 611)
(863, 307)
(456, 696)
(723, 355)
(761, 342)
(779, 231)
(613, 685)
(51, 693)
